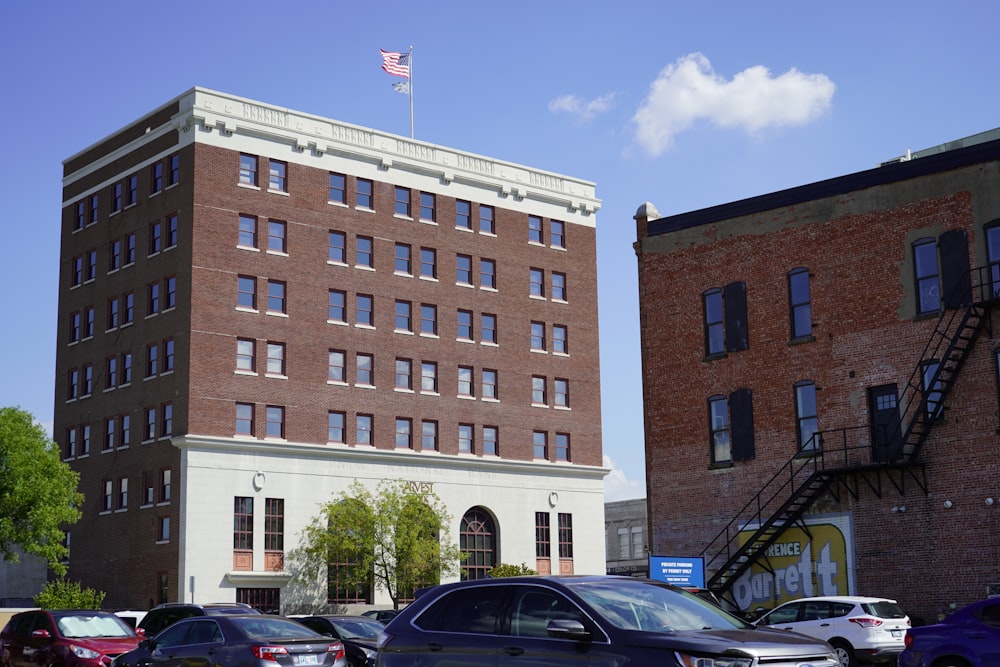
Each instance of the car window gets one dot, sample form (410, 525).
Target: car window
(474, 610)
(315, 624)
(357, 629)
(534, 607)
(267, 627)
(788, 613)
(172, 636)
(883, 609)
(203, 631)
(840, 609)
(990, 615)
(156, 621)
(92, 625)
(815, 610)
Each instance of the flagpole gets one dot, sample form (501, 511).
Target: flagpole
(411, 91)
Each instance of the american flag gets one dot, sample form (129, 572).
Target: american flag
(397, 64)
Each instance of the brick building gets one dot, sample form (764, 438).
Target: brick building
(259, 306)
(820, 370)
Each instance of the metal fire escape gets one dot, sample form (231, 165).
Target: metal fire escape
(844, 459)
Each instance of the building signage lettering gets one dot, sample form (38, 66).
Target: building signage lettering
(679, 571)
(423, 488)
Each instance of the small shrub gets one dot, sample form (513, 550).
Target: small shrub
(65, 594)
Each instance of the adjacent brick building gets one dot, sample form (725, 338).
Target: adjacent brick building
(820, 378)
(259, 306)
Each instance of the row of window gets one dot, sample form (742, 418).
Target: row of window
(274, 524)
(160, 359)
(161, 296)
(122, 251)
(155, 491)
(363, 190)
(158, 423)
(124, 193)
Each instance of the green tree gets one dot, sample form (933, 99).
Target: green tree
(65, 594)
(395, 538)
(38, 492)
(505, 570)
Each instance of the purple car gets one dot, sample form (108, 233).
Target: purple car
(968, 638)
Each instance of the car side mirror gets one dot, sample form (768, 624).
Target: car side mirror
(147, 644)
(41, 634)
(140, 632)
(562, 628)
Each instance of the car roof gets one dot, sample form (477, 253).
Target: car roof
(858, 599)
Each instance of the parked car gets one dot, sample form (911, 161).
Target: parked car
(161, 616)
(245, 640)
(381, 615)
(131, 616)
(968, 638)
(359, 634)
(41, 638)
(582, 620)
(860, 629)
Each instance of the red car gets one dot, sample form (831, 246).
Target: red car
(41, 638)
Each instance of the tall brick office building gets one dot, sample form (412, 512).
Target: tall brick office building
(820, 370)
(260, 306)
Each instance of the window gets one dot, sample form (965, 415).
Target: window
(403, 263)
(466, 377)
(561, 393)
(464, 331)
(156, 177)
(75, 327)
(428, 263)
(403, 433)
(126, 368)
(487, 273)
(463, 214)
(404, 374)
(477, 540)
(337, 308)
(335, 426)
(84, 439)
(277, 176)
(88, 380)
(540, 445)
(128, 308)
(91, 266)
(562, 447)
(800, 312)
(168, 355)
(337, 248)
(491, 440)
(248, 169)
(402, 201)
(714, 332)
(466, 438)
(245, 355)
(274, 524)
(171, 240)
(536, 282)
(364, 310)
(275, 358)
(543, 535)
(404, 318)
(244, 419)
(429, 435)
(363, 430)
(364, 252)
(95, 209)
(129, 249)
(132, 192)
(73, 384)
(163, 534)
(152, 359)
(166, 420)
(565, 535)
(246, 296)
(926, 275)
(173, 169)
(538, 336)
(489, 328)
(335, 366)
(108, 495)
(486, 222)
(170, 292)
(110, 425)
(125, 432)
(363, 196)
(535, 229)
(932, 388)
(111, 372)
(557, 234)
(153, 298)
(364, 370)
(114, 255)
(116, 197)
(718, 415)
(429, 377)
(243, 523)
(148, 489)
(490, 386)
(277, 240)
(165, 485)
(338, 188)
(805, 415)
(558, 286)
(81, 216)
(274, 419)
(428, 319)
(150, 431)
(428, 207)
(463, 269)
(538, 396)
(70, 450)
(76, 277)
(276, 297)
(88, 322)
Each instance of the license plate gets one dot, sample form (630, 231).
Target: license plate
(896, 633)
(307, 659)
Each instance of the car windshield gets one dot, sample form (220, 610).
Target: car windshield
(92, 625)
(266, 627)
(884, 609)
(641, 605)
(358, 629)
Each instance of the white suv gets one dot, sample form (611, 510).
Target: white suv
(860, 629)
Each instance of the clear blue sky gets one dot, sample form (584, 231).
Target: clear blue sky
(686, 105)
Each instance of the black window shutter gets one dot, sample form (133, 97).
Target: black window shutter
(734, 296)
(741, 416)
(956, 287)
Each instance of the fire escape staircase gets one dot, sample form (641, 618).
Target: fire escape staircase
(843, 459)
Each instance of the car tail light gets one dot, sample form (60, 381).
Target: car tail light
(866, 621)
(908, 640)
(337, 649)
(269, 652)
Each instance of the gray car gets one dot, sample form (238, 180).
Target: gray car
(597, 621)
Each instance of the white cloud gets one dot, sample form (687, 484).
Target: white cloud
(618, 487)
(584, 110)
(689, 90)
